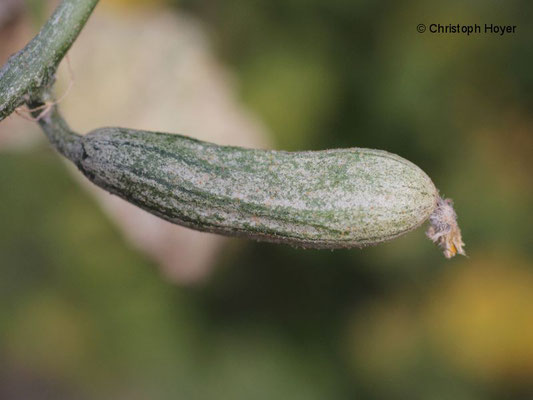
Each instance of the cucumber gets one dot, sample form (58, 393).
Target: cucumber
(319, 199)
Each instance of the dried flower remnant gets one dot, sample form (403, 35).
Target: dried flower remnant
(443, 229)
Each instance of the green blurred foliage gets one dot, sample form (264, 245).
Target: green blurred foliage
(84, 316)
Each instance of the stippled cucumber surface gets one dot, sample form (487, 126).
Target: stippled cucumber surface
(321, 199)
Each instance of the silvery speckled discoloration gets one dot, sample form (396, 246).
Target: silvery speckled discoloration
(32, 69)
(321, 199)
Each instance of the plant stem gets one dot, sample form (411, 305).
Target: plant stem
(32, 69)
(64, 140)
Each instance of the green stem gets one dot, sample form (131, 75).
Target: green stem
(64, 140)
(32, 69)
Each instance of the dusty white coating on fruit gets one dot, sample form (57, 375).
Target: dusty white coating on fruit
(325, 199)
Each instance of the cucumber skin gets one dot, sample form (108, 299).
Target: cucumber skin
(316, 199)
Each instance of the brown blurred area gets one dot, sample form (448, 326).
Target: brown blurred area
(101, 300)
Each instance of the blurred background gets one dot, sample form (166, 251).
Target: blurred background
(99, 300)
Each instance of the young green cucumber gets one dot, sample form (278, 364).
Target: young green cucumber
(319, 199)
